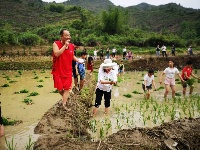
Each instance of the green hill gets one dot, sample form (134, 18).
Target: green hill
(97, 22)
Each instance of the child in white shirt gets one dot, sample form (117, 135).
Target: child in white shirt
(147, 83)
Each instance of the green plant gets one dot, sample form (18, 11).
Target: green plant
(8, 122)
(40, 81)
(24, 91)
(10, 145)
(39, 86)
(127, 95)
(36, 77)
(5, 85)
(34, 94)
(54, 91)
(29, 145)
(28, 101)
(136, 92)
(190, 81)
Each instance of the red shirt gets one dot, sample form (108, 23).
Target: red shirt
(62, 65)
(188, 71)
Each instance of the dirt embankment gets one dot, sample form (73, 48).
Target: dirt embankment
(67, 130)
(140, 64)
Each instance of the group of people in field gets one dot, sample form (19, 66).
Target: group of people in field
(112, 54)
(163, 51)
(64, 55)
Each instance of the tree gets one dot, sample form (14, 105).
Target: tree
(113, 20)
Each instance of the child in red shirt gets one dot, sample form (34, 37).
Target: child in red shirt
(186, 73)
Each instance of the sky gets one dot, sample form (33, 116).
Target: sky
(125, 3)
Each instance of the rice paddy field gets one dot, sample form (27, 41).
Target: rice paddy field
(27, 94)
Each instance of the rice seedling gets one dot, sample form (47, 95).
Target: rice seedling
(12, 81)
(17, 76)
(46, 77)
(24, 91)
(136, 92)
(92, 125)
(127, 95)
(5, 85)
(101, 133)
(20, 72)
(40, 86)
(10, 145)
(138, 83)
(40, 80)
(195, 71)
(30, 144)
(43, 71)
(191, 81)
(6, 121)
(36, 77)
(28, 101)
(33, 94)
(54, 91)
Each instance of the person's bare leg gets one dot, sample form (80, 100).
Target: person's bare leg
(191, 89)
(166, 91)
(148, 94)
(61, 92)
(173, 91)
(184, 91)
(81, 84)
(1, 130)
(95, 110)
(65, 97)
(106, 110)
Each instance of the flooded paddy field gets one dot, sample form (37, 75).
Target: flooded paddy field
(126, 112)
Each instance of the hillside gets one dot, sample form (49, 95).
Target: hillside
(95, 6)
(158, 18)
(23, 15)
(29, 14)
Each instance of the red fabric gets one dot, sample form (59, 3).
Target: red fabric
(89, 66)
(62, 65)
(62, 83)
(188, 72)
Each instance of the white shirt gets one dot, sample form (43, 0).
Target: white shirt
(103, 76)
(114, 50)
(163, 48)
(124, 50)
(148, 79)
(170, 72)
(95, 53)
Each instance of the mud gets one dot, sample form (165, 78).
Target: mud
(63, 130)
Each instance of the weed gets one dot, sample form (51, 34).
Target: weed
(34, 94)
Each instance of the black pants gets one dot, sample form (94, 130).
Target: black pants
(164, 53)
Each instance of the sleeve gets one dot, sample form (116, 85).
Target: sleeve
(100, 76)
(115, 77)
(177, 70)
(145, 77)
(165, 71)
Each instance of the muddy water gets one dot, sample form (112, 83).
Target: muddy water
(124, 112)
(15, 109)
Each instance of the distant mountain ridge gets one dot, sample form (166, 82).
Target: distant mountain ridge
(31, 14)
